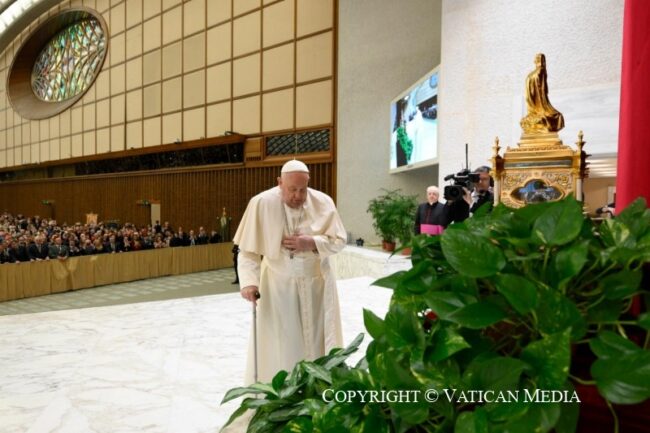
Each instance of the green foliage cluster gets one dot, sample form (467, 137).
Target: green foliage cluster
(405, 142)
(500, 302)
(393, 215)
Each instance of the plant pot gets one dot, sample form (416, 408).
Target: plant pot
(406, 251)
(388, 246)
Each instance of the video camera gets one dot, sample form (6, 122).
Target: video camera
(463, 179)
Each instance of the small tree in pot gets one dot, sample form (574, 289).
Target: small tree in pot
(393, 215)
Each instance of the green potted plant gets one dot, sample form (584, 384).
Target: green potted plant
(393, 214)
(503, 317)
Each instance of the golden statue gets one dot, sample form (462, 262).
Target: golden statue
(541, 116)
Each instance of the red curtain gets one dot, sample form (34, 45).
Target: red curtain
(633, 173)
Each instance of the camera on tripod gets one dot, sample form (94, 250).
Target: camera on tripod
(463, 179)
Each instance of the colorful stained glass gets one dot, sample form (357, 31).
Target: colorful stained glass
(68, 64)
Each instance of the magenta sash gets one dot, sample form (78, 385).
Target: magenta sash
(431, 229)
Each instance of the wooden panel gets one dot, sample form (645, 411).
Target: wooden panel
(189, 198)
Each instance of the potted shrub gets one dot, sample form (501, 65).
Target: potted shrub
(503, 316)
(393, 214)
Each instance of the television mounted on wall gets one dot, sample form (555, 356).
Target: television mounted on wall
(414, 125)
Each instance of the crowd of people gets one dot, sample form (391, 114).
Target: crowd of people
(26, 239)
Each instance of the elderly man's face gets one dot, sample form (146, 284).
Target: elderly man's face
(432, 196)
(294, 188)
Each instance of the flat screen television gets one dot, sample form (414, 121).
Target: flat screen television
(414, 125)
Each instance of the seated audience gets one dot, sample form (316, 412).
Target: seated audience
(24, 239)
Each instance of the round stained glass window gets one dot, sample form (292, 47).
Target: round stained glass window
(57, 63)
(68, 64)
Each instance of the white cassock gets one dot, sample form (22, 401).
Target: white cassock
(298, 313)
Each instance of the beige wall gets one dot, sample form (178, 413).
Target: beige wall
(384, 47)
(186, 70)
(488, 48)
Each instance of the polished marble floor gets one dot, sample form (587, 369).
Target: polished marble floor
(172, 287)
(160, 366)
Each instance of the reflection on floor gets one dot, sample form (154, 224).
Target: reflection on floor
(155, 289)
(159, 366)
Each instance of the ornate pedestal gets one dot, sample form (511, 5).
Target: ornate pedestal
(540, 169)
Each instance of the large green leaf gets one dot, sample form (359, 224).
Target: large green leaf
(444, 303)
(622, 371)
(532, 212)
(496, 374)
(286, 413)
(445, 342)
(438, 375)
(419, 278)
(539, 418)
(615, 234)
(550, 357)
(555, 313)
(351, 378)
(609, 345)
(477, 315)
(569, 262)
(403, 328)
(470, 254)
(560, 223)
(391, 281)
(278, 379)
(254, 403)
(465, 286)
(291, 390)
(338, 356)
(256, 388)
(472, 422)
(636, 217)
(624, 379)
(374, 325)
(520, 292)
(621, 284)
(318, 371)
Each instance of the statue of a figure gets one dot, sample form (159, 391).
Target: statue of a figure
(541, 116)
(224, 223)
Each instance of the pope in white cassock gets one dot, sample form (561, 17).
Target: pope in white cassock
(285, 239)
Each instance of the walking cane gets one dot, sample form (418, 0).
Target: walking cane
(257, 296)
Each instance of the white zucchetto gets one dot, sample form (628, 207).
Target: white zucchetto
(293, 166)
